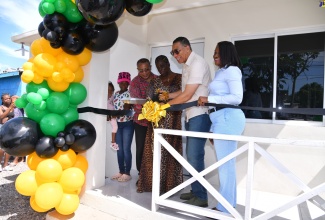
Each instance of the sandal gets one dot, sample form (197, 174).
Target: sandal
(114, 146)
(124, 178)
(116, 176)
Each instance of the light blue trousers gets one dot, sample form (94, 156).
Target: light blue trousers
(227, 121)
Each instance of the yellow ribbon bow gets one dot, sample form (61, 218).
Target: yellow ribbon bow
(153, 111)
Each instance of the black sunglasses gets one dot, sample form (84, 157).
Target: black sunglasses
(176, 51)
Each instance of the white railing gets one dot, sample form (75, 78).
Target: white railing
(251, 147)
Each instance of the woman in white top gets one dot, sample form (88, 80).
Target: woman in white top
(226, 88)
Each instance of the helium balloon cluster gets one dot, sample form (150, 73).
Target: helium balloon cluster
(53, 183)
(52, 135)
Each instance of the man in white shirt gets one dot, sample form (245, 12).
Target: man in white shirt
(195, 80)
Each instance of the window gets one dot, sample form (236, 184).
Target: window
(295, 79)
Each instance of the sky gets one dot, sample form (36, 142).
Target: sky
(16, 17)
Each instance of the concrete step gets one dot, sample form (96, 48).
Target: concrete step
(94, 205)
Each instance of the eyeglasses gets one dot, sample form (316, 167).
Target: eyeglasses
(176, 51)
(143, 70)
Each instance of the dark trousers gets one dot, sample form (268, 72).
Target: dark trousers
(140, 137)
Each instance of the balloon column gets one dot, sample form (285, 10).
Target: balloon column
(52, 135)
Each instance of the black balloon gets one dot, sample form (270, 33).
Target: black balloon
(69, 139)
(52, 36)
(61, 32)
(65, 147)
(56, 44)
(84, 133)
(99, 38)
(41, 28)
(138, 7)
(18, 136)
(51, 21)
(102, 12)
(61, 134)
(45, 147)
(73, 44)
(59, 141)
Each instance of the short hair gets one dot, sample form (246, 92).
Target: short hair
(110, 84)
(162, 58)
(143, 60)
(4, 94)
(183, 41)
(228, 54)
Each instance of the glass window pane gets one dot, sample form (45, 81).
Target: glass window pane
(257, 57)
(300, 74)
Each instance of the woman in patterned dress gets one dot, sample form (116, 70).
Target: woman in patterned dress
(171, 173)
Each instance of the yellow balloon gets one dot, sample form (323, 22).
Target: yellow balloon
(68, 75)
(47, 48)
(27, 76)
(49, 170)
(57, 87)
(33, 160)
(26, 183)
(69, 60)
(36, 47)
(48, 195)
(81, 163)
(68, 204)
(79, 75)
(28, 66)
(59, 66)
(84, 57)
(57, 77)
(72, 179)
(66, 158)
(37, 78)
(45, 63)
(34, 206)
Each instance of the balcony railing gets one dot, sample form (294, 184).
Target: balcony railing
(251, 146)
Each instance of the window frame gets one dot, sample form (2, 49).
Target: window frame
(275, 34)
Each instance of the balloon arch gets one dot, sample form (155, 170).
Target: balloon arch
(52, 135)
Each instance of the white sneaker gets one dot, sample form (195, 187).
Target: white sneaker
(8, 168)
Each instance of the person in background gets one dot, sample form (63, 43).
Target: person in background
(138, 89)
(6, 113)
(112, 120)
(226, 88)
(18, 112)
(195, 80)
(171, 173)
(124, 134)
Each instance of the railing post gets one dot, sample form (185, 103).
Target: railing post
(156, 170)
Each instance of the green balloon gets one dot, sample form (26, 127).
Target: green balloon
(44, 93)
(51, 124)
(21, 103)
(60, 6)
(33, 87)
(57, 102)
(40, 9)
(72, 13)
(50, 1)
(35, 114)
(70, 115)
(76, 92)
(41, 106)
(48, 8)
(154, 1)
(34, 98)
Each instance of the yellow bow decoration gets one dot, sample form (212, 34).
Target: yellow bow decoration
(153, 111)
